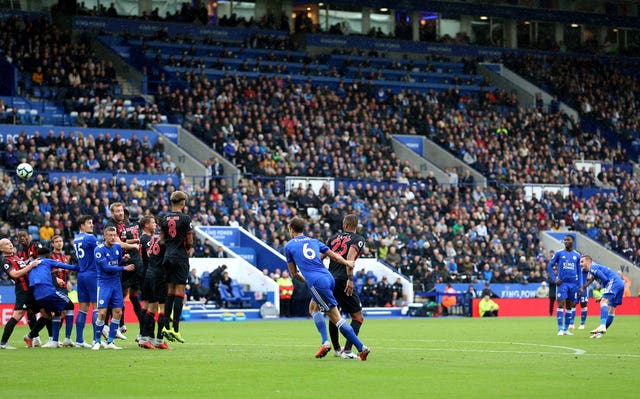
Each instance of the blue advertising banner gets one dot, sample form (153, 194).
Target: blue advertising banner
(148, 28)
(16, 130)
(228, 236)
(7, 294)
(413, 142)
(171, 131)
(7, 13)
(246, 253)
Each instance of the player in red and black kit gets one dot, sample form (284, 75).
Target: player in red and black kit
(128, 238)
(27, 251)
(177, 234)
(350, 246)
(62, 277)
(18, 270)
(154, 288)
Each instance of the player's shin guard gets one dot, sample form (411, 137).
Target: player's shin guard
(604, 313)
(97, 329)
(161, 324)
(40, 324)
(349, 334)
(56, 323)
(560, 316)
(113, 329)
(31, 320)
(150, 323)
(168, 308)
(81, 321)
(178, 303)
(583, 314)
(8, 330)
(335, 336)
(49, 325)
(135, 303)
(355, 324)
(318, 319)
(610, 320)
(94, 320)
(569, 315)
(68, 327)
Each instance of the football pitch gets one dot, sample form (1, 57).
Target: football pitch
(410, 358)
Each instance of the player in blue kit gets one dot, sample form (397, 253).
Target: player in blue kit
(84, 244)
(109, 257)
(304, 256)
(45, 293)
(568, 282)
(612, 295)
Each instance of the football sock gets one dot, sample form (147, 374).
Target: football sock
(8, 330)
(94, 319)
(98, 325)
(151, 321)
(355, 324)
(318, 319)
(610, 319)
(113, 329)
(604, 313)
(334, 333)
(349, 334)
(560, 316)
(178, 303)
(49, 326)
(161, 324)
(568, 317)
(68, 321)
(31, 320)
(81, 320)
(168, 307)
(135, 302)
(40, 324)
(122, 319)
(56, 323)
(583, 314)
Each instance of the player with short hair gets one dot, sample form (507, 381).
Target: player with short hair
(612, 295)
(349, 245)
(303, 255)
(27, 250)
(568, 282)
(84, 244)
(17, 269)
(176, 232)
(62, 276)
(154, 288)
(109, 257)
(127, 236)
(47, 296)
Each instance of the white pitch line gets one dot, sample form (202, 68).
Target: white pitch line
(571, 351)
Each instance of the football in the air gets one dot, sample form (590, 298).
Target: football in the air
(24, 171)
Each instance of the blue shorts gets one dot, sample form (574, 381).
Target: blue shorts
(322, 293)
(50, 299)
(567, 291)
(110, 296)
(613, 293)
(87, 287)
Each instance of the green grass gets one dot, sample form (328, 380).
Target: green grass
(411, 358)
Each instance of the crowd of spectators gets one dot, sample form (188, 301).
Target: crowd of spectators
(74, 152)
(606, 90)
(432, 231)
(50, 64)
